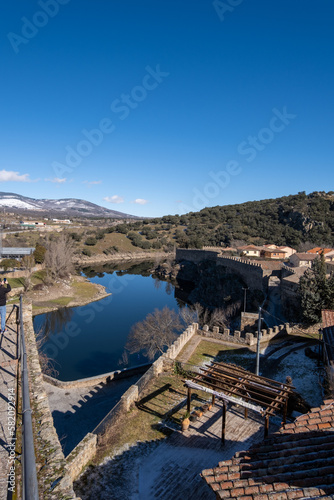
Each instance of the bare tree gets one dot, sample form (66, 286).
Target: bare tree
(58, 257)
(47, 364)
(155, 333)
(191, 314)
(218, 318)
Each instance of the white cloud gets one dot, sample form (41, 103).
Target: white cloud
(10, 176)
(57, 180)
(92, 183)
(140, 201)
(114, 199)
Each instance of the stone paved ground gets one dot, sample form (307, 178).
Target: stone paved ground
(77, 411)
(170, 469)
(8, 393)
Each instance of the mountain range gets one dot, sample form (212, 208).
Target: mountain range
(65, 208)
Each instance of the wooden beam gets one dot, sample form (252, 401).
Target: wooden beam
(224, 397)
(228, 392)
(285, 410)
(266, 426)
(250, 382)
(235, 368)
(223, 423)
(189, 399)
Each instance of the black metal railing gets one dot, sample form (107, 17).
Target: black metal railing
(29, 473)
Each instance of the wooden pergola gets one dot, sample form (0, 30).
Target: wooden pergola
(233, 384)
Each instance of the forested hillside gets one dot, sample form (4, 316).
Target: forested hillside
(290, 220)
(294, 220)
(300, 221)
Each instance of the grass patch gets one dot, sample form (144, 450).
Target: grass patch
(61, 301)
(84, 290)
(119, 240)
(39, 277)
(206, 351)
(16, 282)
(143, 422)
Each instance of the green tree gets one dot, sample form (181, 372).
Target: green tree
(90, 241)
(9, 264)
(316, 291)
(39, 253)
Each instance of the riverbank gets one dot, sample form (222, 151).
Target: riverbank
(78, 290)
(122, 256)
(72, 292)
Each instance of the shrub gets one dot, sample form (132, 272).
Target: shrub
(9, 264)
(39, 254)
(90, 241)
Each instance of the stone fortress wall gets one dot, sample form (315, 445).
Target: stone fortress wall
(251, 272)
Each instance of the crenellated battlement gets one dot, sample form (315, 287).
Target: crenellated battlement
(248, 338)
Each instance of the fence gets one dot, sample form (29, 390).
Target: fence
(29, 484)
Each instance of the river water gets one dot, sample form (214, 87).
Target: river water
(89, 340)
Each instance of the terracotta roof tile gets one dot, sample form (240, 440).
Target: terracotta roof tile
(296, 462)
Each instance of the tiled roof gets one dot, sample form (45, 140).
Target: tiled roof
(328, 332)
(275, 250)
(327, 316)
(285, 246)
(249, 247)
(319, 250)
(296, 462)
(306, 256)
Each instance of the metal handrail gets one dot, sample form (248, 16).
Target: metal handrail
(29, 473)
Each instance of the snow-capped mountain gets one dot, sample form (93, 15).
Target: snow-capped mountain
(68, 207)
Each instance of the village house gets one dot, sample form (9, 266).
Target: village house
(330, 267)
(273, 253)
(320, 250)
(328, 345)
(250, 250)
(288, 251)
(302, 259)
(329, 256)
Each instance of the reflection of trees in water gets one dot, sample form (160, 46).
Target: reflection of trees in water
(55, 321)
(157, 283)
(143, 267)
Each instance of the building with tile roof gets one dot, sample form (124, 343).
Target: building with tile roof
(327, 317)
(250, 250)
(296, 462)
(302, 259)
(320, 250)
(273, 253)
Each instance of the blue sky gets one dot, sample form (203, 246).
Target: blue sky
(164, 107)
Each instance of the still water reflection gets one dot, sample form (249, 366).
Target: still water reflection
(89, 340)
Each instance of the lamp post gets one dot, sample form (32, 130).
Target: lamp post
(257, 368)
(245, 291)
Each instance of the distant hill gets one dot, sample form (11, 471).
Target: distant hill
(296, 220)
(64, 208)
(290, 220)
